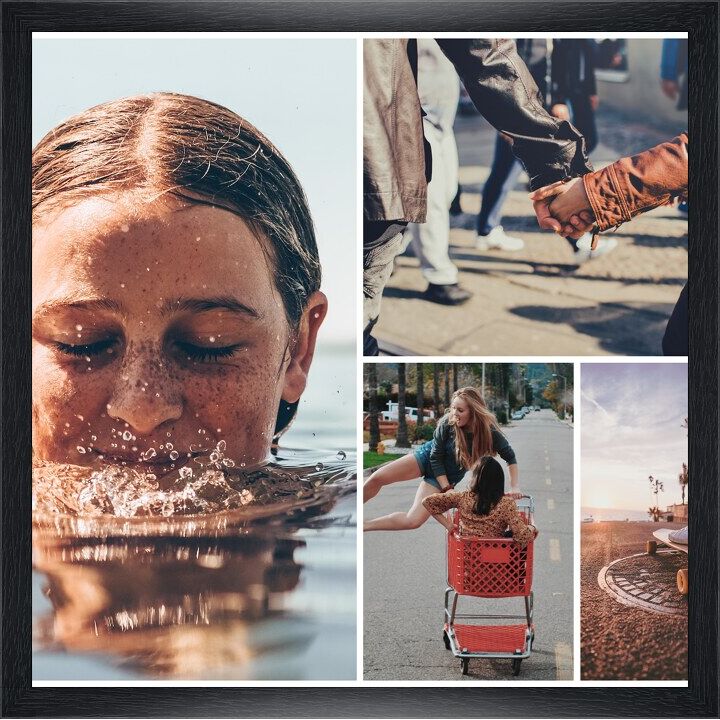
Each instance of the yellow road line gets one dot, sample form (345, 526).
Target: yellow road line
(554, 550)
(550, 503)
(563, 662)
(548, 481)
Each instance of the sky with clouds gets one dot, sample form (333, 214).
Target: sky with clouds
(632, 416)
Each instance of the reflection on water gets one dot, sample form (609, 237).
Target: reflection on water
(230, 574)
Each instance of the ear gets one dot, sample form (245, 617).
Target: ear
(301, 354)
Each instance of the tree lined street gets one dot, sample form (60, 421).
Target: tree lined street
(405, 573)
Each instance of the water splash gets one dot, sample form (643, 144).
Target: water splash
(212, 487)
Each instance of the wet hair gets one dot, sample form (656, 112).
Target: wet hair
(488, 485)
(480, 426)
(196, 150)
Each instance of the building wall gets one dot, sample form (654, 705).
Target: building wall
(640, 94)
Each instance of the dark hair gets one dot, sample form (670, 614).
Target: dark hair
(488, 485)
(193, 149)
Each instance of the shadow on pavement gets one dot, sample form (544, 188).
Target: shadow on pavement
(555, 269)
(628, 329)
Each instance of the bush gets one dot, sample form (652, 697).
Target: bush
(501, 415)
(425, 431)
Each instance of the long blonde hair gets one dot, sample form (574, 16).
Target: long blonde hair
(481, 423)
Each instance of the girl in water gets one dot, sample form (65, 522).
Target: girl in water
(175, 287)
(484, 509)
(463, 437)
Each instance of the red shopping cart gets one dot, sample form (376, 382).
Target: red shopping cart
(489, 568)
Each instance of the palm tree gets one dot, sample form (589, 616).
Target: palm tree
(419, 393)
(455, 377)
(373, 406)
(655, 513)
(436, 389)
(656, 486)
(402, 433)
(447, 386)
(683, 480)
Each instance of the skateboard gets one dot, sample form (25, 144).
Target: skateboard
(662, 536)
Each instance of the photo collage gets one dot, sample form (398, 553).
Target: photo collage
(363, 364)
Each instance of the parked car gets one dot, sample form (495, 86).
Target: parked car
(518, 415)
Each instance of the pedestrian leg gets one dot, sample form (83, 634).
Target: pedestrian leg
(382, 242)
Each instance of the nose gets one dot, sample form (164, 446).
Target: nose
(145, 395)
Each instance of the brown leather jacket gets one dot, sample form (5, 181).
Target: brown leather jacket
(396, 163)
(636, 184)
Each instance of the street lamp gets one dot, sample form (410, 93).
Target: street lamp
(564, 392)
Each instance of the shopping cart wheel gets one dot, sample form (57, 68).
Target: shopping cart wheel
(464, 662)
(516, 667)
(651, 547)
(446, 640)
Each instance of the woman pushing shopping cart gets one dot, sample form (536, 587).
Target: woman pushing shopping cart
(490, 555)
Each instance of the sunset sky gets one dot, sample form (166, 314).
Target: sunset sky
(632, 416)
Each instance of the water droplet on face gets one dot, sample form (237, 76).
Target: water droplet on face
(167, 434)
(81, 449)
(78, 328)
(169, 446)
(212, 338)
(127, 435)
(221, 446)
(174, 455)
(227, 462)
(67, 424)
(186, 473)
(149, 454)
(125, 228)
(122, 285)
(93, 438)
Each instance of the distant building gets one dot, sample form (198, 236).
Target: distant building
(678, 513)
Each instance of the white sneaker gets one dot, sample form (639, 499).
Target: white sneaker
(679, 536)
(584, 253)
(498, 240)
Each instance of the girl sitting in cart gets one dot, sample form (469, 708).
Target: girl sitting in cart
(484, 509)
(463, 437)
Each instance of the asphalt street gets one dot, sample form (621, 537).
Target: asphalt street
(405, 574)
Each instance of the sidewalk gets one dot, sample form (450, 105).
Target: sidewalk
(537, 301)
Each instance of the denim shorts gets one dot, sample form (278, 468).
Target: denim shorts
(422, 455)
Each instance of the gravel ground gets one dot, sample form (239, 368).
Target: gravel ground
(618, 642)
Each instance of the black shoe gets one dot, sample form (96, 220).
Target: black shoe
(447, 294)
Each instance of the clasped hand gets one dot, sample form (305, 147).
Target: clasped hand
(564, 207)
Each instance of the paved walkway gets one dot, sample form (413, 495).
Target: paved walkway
(537, 301)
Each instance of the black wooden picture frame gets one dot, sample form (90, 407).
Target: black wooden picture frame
(20, 699)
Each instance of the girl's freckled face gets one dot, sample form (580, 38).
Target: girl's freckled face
(158, 322)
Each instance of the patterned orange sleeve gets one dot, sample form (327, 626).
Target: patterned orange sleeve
(441, 502)
(521, 533)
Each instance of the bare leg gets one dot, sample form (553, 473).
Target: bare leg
(405, 468)
(410, 520)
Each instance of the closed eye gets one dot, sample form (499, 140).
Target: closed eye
(89, 349)
(201, 353)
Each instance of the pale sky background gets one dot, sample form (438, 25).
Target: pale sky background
(300, 93)
(631, 428)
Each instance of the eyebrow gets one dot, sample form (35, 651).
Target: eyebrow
(69, 303)
(225, 302)
(169, 307)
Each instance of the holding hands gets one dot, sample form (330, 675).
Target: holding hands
(564, 207)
